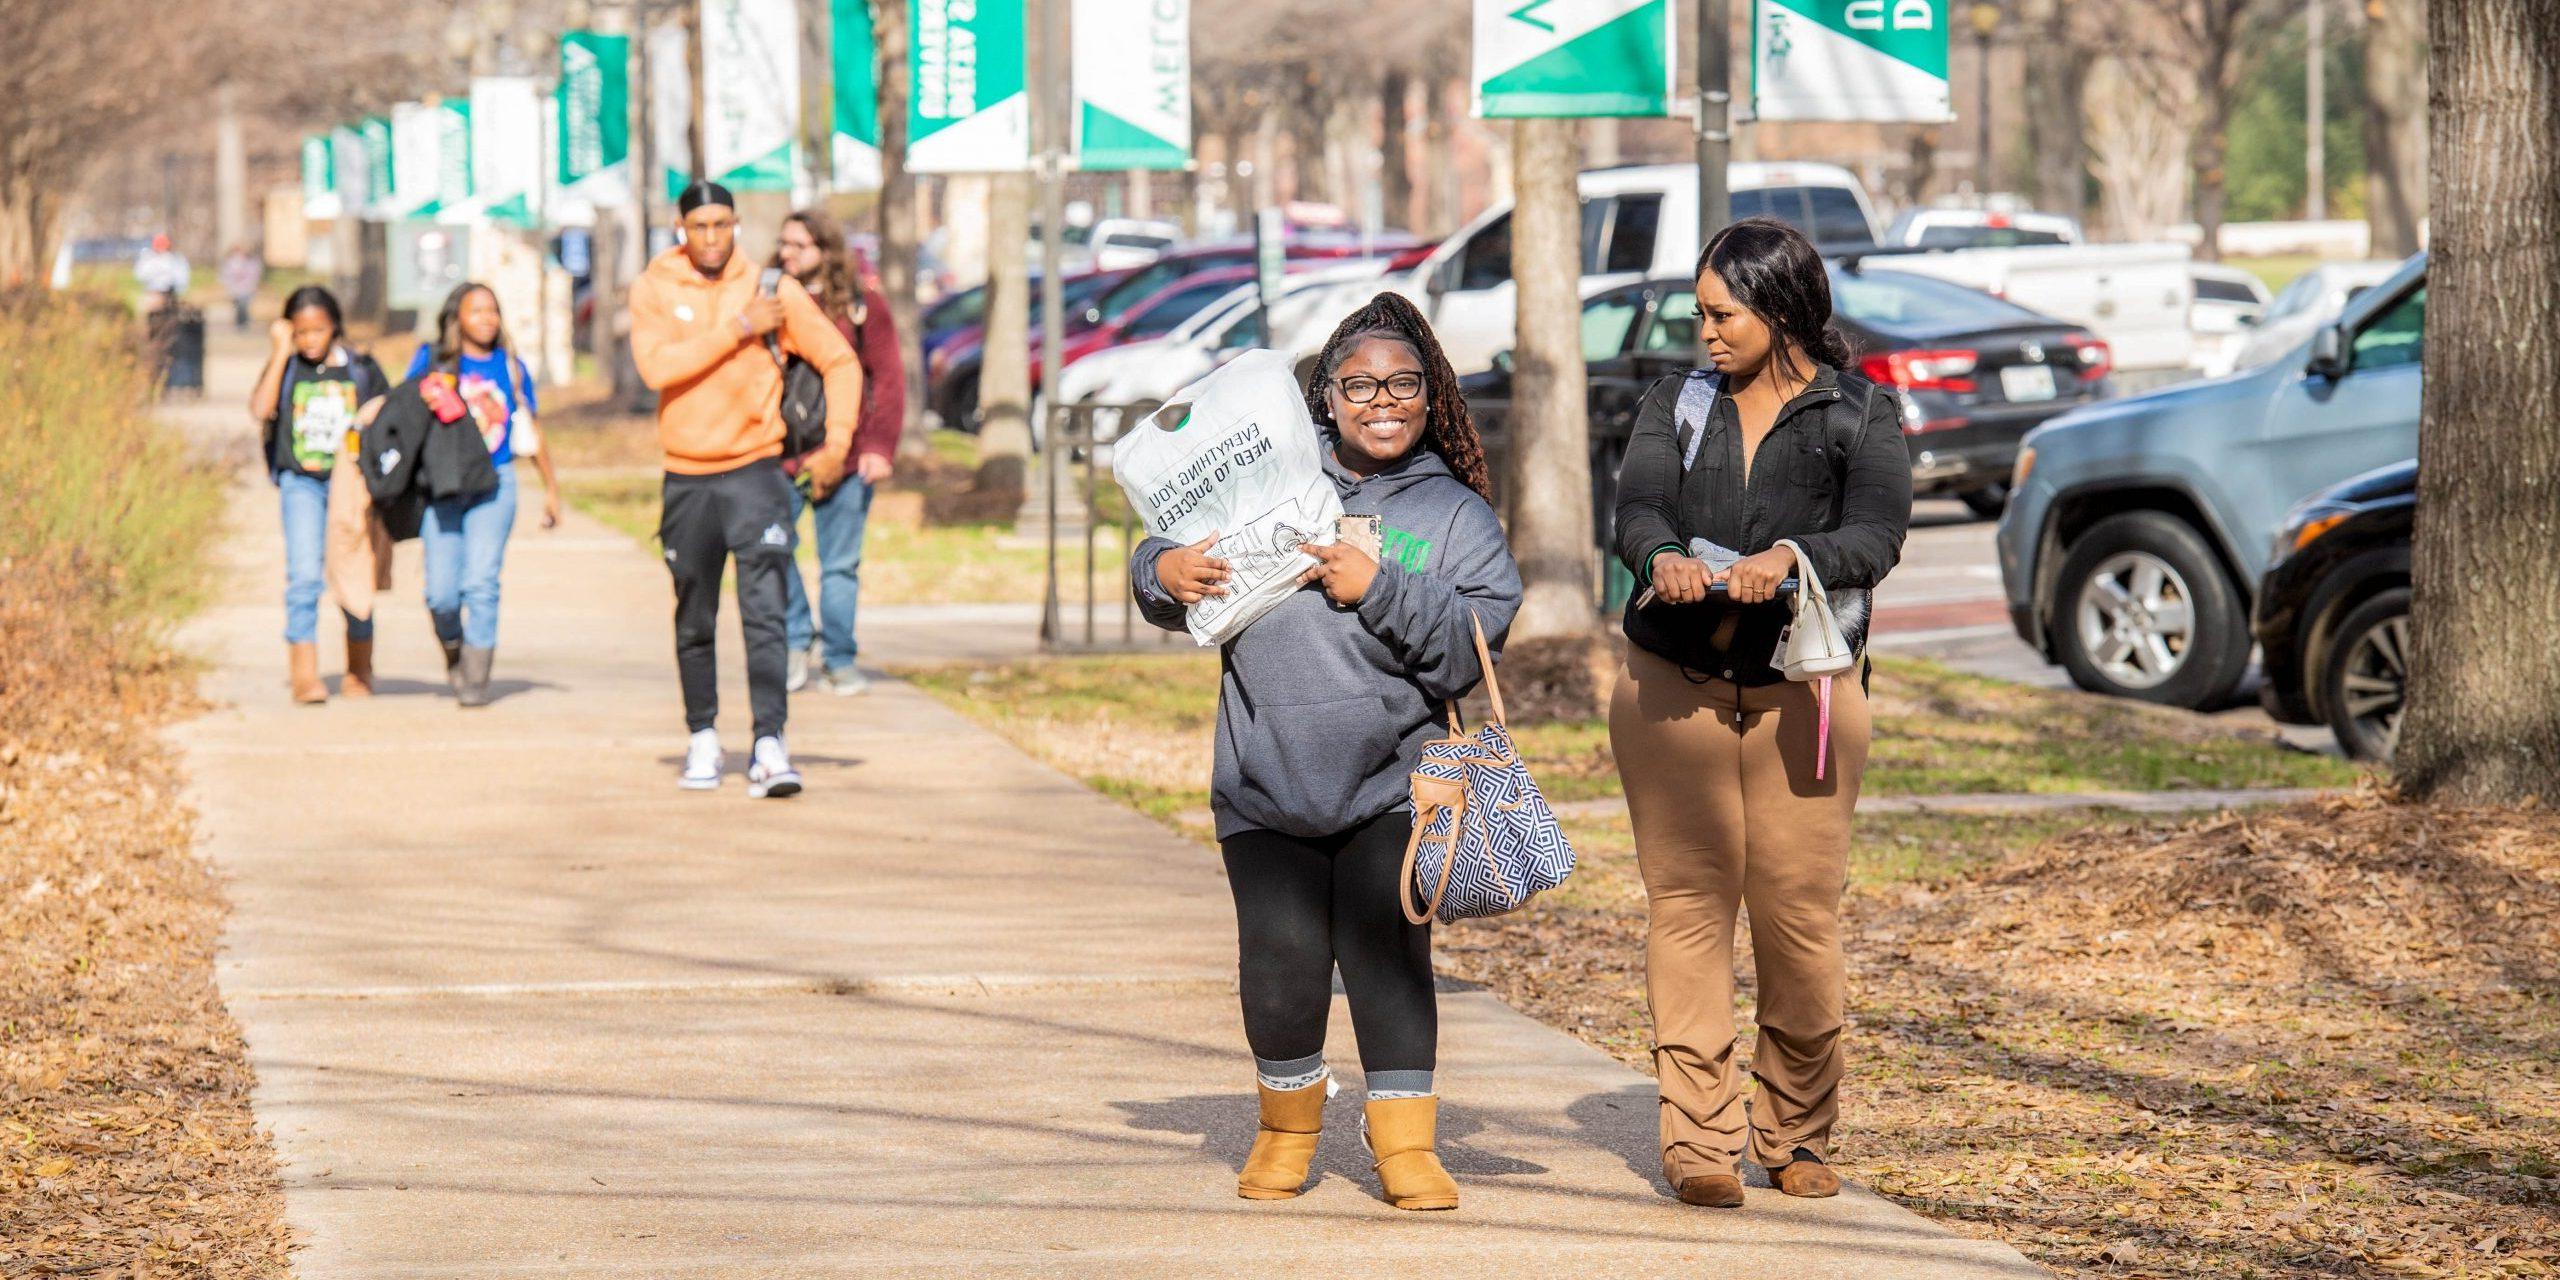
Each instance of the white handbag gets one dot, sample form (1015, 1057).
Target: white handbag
(1815, 649)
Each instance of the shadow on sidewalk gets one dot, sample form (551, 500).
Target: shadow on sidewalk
(1224, 1124)
(499, 690)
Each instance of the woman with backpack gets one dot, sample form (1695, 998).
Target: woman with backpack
(308, 401)
(812, 250)
(1775, 464)
(466, 538)
(1324, 706)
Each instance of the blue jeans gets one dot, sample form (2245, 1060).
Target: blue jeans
(305, 499)
(839, 528)
(466, 542)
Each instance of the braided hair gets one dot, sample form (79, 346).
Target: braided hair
(1447, 429)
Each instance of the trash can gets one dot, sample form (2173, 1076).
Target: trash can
(178, 330)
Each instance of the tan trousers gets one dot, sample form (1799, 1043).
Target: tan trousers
(1727, 813)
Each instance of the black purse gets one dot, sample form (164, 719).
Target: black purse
(804, 390)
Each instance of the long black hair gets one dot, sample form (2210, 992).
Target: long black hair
(312, 295)
(1777, 275)
(1447, 429)
(448, 352)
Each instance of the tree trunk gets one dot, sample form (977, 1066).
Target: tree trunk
(1395, 173)
(1549, 458)
(898, 236)
(2213, 148)
(2056, 79)
(2395, 124)
(1004, 381)
(2483, 725)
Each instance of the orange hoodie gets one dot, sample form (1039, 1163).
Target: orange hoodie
(719, 390)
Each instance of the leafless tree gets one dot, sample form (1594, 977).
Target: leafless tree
(2395, 123)
(2483, 725)
(2203, 47)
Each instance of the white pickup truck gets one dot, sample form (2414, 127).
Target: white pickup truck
(2136, 296)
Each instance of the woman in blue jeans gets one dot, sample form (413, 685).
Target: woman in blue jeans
(308, 399)
(466, 538)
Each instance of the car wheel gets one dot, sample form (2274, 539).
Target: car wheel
(963, 413)
(1987, 502)
(2364, 685)
(2143, 610)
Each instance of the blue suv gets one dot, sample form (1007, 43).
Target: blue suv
(2138, 530)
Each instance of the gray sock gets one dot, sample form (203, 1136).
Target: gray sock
(1292, 1075)
(1399, 1084)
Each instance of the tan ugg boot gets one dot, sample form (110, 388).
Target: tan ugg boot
(359, 681)
(1285, 1142)
(303, 662)
(1401, 1134)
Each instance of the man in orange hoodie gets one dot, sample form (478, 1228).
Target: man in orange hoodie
(703, 336)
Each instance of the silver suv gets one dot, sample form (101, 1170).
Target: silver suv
(2138, 529)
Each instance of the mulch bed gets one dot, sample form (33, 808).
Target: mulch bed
(127, 1148)
(2321, 1040)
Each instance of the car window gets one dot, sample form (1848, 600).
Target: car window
(2394, 338)
(1486, 261)
(1892, 301)
(1631, 234)
(2209, 289)
(1243, 331)
(958, 310)
(1675, 324)
(1595, 229)
(1830, 215)
(1947, 237)
(2294, 297)
(1606, 320)
(1176, 307)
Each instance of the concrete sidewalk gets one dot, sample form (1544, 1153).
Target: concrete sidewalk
(519, 1006)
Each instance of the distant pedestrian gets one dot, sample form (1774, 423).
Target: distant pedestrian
(1741, 782)
(308, 402)
(699, 327)
(1324, 706)
(466, 538)
(241, 274)
(163, 273)
(813, 251)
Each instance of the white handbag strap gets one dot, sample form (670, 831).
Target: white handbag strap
(1809, 588)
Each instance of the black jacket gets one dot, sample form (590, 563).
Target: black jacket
(409, 456)
(1833, 474)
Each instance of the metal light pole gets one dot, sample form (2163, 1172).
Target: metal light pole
(2315, 111)
(1050, 122)
(1986, 19)
(1715, 116)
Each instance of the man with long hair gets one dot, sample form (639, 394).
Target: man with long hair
(699, 330)
(812, 250)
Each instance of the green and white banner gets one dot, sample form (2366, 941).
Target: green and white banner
(379, 165)
(594, 126)
(1543, 58)
(319, 178)
(1870, 60)
(671, 106)
(1132, 84)
(453, 155)
(506, 150)
(417, 160)
(350, 170)
(968, 110)
(751, 93)
(855, 159)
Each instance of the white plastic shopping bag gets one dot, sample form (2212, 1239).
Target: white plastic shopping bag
(1234, 454)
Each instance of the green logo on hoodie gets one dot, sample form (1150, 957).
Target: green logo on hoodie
(1411, 550)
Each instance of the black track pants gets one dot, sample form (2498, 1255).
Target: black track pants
(703, 522)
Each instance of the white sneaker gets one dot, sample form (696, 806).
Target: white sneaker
(769, 772)
(845, 682)
(702, 762)
(796, 676)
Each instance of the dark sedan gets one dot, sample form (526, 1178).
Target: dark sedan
(1975, 372)
(2333, 615)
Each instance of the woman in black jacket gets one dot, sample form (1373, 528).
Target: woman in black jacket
(1740, 783)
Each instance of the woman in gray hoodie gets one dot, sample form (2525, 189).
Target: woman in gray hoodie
(1324, 705)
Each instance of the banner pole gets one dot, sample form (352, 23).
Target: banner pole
(1715, 116)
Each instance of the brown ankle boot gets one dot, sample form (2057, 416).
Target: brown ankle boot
(302, 661)
(1402, 1133)
(1284, 1143)
(359, 681)
(1806, 1176)
(1712, 1190)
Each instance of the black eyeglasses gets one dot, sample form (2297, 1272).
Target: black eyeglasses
(1362, 390)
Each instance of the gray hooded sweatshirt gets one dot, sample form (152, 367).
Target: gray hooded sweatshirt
(1323, 711)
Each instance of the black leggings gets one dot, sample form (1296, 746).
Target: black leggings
(1304, 906)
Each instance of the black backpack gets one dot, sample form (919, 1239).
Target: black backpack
(804, 391)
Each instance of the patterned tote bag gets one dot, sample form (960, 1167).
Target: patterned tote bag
(1484, 841)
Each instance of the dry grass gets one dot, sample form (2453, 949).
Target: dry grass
(127, 1147)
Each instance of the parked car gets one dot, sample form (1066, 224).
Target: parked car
(2314, 298)
(2138, 531)
(2229, 302)
(1640, 221)
(1974, 373)
(952, 388)
(962, 316)
(2333, 615)
(1980, 229)
(2136, 296)
(1119, 244)
(1311, 303)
